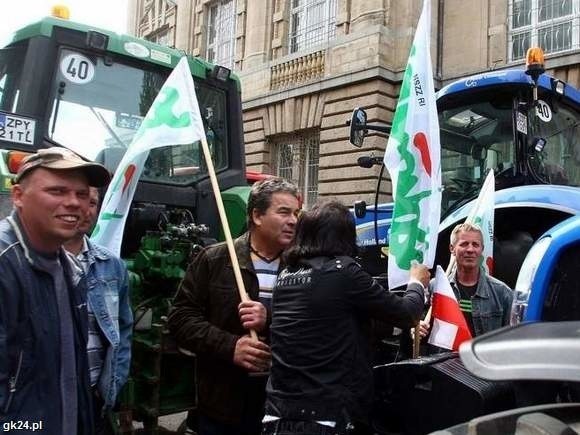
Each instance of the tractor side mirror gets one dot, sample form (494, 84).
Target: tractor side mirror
(360, 209)
(358, 123)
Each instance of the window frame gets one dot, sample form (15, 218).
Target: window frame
(223, 24)
(162, 36)
(536, 26)
(323, 29)
(303, 166)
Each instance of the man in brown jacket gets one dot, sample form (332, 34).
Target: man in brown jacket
(209, 319)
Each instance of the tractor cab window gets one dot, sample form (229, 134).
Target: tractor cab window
(554, 144)
(98, 104)
(475, 138)
(11, 62)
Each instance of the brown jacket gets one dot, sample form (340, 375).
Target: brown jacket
(205, 320)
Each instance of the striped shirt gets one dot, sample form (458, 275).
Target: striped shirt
(95, 344)
(466, 294)
(267, 273)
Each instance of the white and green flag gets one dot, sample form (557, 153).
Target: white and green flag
(173, 119)
(482, 215)
(413, 160)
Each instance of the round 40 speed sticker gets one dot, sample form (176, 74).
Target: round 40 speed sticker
(77, 68)
(543, 110)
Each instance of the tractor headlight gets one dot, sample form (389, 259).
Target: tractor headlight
(526, 278)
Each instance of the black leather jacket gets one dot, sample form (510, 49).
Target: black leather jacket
(320, 352)
(30, 337)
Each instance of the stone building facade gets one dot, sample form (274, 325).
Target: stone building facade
(305, 64)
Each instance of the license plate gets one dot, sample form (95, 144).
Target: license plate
(17, 129)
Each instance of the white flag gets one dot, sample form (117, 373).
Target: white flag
(482, 215)
(413, 160)
(173, 119)
(449, 325)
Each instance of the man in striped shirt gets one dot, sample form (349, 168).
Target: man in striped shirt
(110, 318)
(208, 318)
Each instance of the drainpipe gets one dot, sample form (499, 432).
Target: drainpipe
(440, 15)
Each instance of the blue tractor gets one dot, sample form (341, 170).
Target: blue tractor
(524, 125)
(547, 288)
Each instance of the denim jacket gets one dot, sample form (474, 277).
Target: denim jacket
(491, 304)
(30, 360)
(108, 297)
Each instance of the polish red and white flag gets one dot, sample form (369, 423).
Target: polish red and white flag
(449, 328)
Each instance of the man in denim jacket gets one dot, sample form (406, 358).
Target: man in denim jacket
(484, 300)
(110, 315)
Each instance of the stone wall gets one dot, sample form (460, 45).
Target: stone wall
(316, 89)
(339, 176)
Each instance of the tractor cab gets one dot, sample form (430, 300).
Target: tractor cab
(522, 124)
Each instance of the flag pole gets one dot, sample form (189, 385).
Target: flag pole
(224, 221)
(417, 340)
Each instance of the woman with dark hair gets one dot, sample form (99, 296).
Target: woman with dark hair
(321, 376)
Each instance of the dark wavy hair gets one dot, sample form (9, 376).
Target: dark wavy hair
(327, 229)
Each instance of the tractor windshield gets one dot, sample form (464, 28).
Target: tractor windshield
(478, 136)
(475, 137)
(554, 146)
(99, 103)
(11, 62)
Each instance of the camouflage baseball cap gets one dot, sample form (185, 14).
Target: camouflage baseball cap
(60, 158)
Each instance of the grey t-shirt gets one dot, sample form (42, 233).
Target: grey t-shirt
(68, 372)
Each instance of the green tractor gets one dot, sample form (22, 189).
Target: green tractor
(89, 89)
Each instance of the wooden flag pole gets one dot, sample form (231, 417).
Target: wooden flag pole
(224, 221)
(417, 342)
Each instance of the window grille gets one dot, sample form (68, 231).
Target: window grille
(296, 158)
(312, 22)
(553, 25)
(220, 43)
